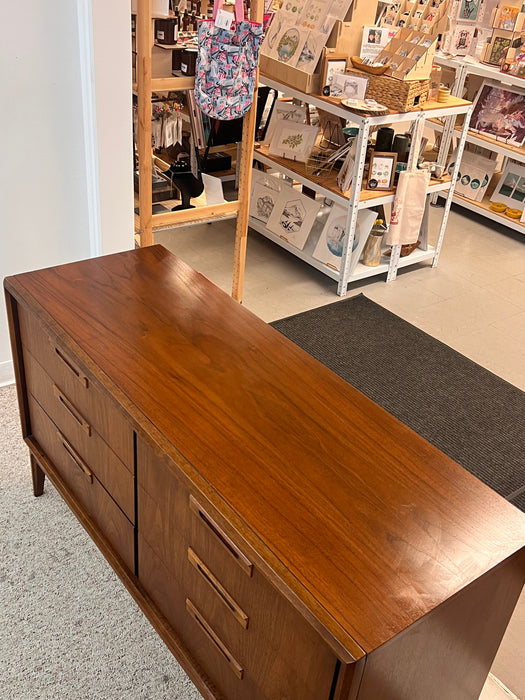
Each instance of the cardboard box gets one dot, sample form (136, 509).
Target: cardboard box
(159, 8)
(305, 82)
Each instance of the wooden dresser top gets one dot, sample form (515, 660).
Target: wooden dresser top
(368, 519)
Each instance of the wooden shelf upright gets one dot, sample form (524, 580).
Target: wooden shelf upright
(146, 85)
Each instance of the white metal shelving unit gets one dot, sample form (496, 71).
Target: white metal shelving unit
(463, 69)
(356, 198)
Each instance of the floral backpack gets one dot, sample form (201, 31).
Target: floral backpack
(227, 64)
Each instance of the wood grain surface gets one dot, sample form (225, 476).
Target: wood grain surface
(371, 520)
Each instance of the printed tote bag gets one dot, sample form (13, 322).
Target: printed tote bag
(227, 65)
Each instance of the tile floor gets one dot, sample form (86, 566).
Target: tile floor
(474, 301)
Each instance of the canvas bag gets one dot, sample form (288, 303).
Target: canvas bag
(408, 207)
(226, 68)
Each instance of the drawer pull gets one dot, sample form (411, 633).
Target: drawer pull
(240, 558)
(81, 378)
(225, 597)
(208, 631)
(76, 458)
(72, 410)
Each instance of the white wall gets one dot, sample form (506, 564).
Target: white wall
(66, 189)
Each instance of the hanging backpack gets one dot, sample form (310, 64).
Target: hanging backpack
(227, 64)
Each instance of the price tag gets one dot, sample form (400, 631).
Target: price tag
(224, 19)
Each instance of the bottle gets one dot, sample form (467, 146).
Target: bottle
(372, 249)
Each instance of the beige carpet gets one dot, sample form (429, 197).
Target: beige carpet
(69, 629)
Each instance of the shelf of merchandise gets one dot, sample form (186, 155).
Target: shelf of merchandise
(357, 198)
(450, 130)
(145, 86)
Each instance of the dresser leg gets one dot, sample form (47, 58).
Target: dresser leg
(38, 477)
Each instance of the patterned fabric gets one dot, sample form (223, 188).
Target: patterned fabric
(227, 68)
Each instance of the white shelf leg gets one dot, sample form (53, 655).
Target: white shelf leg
(353, 207)
(448, 201)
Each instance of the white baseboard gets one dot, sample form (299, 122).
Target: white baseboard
(7, 373)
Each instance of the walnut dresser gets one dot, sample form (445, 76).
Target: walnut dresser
(286, 537)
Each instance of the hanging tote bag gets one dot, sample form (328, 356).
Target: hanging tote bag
(227, 65)
(408, 208)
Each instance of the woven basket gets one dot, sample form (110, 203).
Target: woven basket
(399, 95)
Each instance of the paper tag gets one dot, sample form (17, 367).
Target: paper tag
(213, 189)
(224, 19)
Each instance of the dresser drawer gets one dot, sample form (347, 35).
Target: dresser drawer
(78, 384)
(210, 654)
(82, 483)
(106, 466)
(186, 555)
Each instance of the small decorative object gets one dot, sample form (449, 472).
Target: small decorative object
(513, 213)
(372, 249)
(373, 68)
(443, 93)
(381, 171)
(368, 106)
(498, 207)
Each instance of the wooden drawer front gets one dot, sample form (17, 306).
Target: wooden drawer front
(283, 653)
(186, 554)
(216, 661)
(162, 505)
(107, 467)
(68, 373)
(82, 483)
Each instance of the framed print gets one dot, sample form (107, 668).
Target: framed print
(329, 248)
(332, 63)
(348, 85)
(293, 141)
(293, 216)
(499, 112)
(511, 188)
(381, 171)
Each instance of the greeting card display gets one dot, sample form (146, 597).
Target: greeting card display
(427, 16)
(300, 29)
(410, 55)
